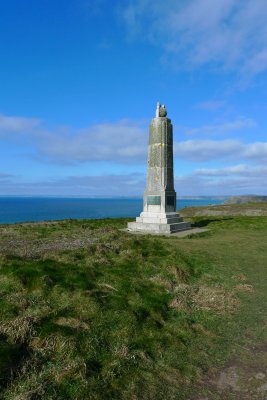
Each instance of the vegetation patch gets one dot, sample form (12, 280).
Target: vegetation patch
(216, 299)
(88, 311)
(250, 209)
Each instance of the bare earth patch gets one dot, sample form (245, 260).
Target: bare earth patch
(243, 378)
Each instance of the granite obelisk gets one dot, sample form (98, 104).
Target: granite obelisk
(159, 212)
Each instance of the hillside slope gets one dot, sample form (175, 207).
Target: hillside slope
(248, 209)
(246, 199)
(90, 312)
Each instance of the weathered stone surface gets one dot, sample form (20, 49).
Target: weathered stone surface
(158, 227)
(159, 213)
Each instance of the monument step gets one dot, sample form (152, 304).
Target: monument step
(149, 214)
(181, 226)
(158, 228)
(154, 220)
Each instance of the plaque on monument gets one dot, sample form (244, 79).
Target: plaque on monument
(159, 212)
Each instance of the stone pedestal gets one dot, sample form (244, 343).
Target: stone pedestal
(170, 223)
(159, 213)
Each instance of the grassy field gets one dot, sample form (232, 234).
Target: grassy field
(91, 312)
(234, 210)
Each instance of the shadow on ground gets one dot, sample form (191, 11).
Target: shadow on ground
(206, 222)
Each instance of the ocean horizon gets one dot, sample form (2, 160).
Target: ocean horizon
(16, 209)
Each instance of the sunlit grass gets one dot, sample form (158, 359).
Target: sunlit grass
(89, 311)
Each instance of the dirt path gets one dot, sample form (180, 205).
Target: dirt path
(243, 378)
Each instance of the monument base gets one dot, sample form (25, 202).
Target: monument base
(159, 223)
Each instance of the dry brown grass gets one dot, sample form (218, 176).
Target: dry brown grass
(245, 288)
(18, 329)
(216, 299)
(72, 323)
(240, 277)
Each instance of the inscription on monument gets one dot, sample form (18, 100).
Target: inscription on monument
(153, 200)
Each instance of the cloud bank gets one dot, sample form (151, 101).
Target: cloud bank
(85, 185)
(125, 142)
(231, 180)
(228, 34)
(243, 165)
(221, 129)
(208, 150)
(11, 124)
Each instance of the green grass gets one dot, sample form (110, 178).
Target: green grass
(243, 209)
(91, 312)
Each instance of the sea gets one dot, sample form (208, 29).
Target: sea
(32, 209)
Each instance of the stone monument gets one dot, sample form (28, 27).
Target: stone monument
(159, 213)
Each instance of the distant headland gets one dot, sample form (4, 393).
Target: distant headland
(246, 199)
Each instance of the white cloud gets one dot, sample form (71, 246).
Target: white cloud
(241, 123)
(231, 180)
(230, 34)
(236, 170)
(256, 151)
(210, 105)
(206, 150)
(198, 183)
(125, 142)
(105, 185)
(122, 142)
(17, 124)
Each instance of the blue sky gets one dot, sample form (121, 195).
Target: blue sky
(79, 82)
